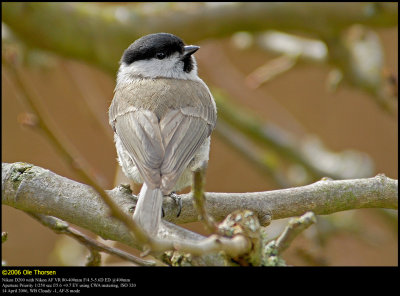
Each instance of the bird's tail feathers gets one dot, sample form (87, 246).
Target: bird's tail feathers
(148, 209)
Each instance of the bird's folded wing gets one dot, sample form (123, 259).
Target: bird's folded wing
(140, 134)
(183, 131)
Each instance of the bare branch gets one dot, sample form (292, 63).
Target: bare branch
(34, 189)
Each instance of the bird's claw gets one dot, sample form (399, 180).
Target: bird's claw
(178, 201)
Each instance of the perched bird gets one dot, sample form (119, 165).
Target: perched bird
(162, 115)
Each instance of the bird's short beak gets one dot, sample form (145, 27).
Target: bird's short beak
(190, 49)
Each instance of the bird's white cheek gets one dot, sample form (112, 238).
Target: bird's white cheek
(170, 67)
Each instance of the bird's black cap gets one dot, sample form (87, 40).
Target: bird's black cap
(148, 46)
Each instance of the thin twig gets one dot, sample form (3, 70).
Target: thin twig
(199, 200)
(270, 70)
(62, 227)
(94, 258)
(4, 236)
(274, 248)
(293, 229)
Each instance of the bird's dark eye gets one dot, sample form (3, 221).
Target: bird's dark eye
(160, 55)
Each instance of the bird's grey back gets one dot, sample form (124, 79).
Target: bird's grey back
(163, 94)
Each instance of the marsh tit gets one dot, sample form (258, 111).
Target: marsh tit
(162, 115)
